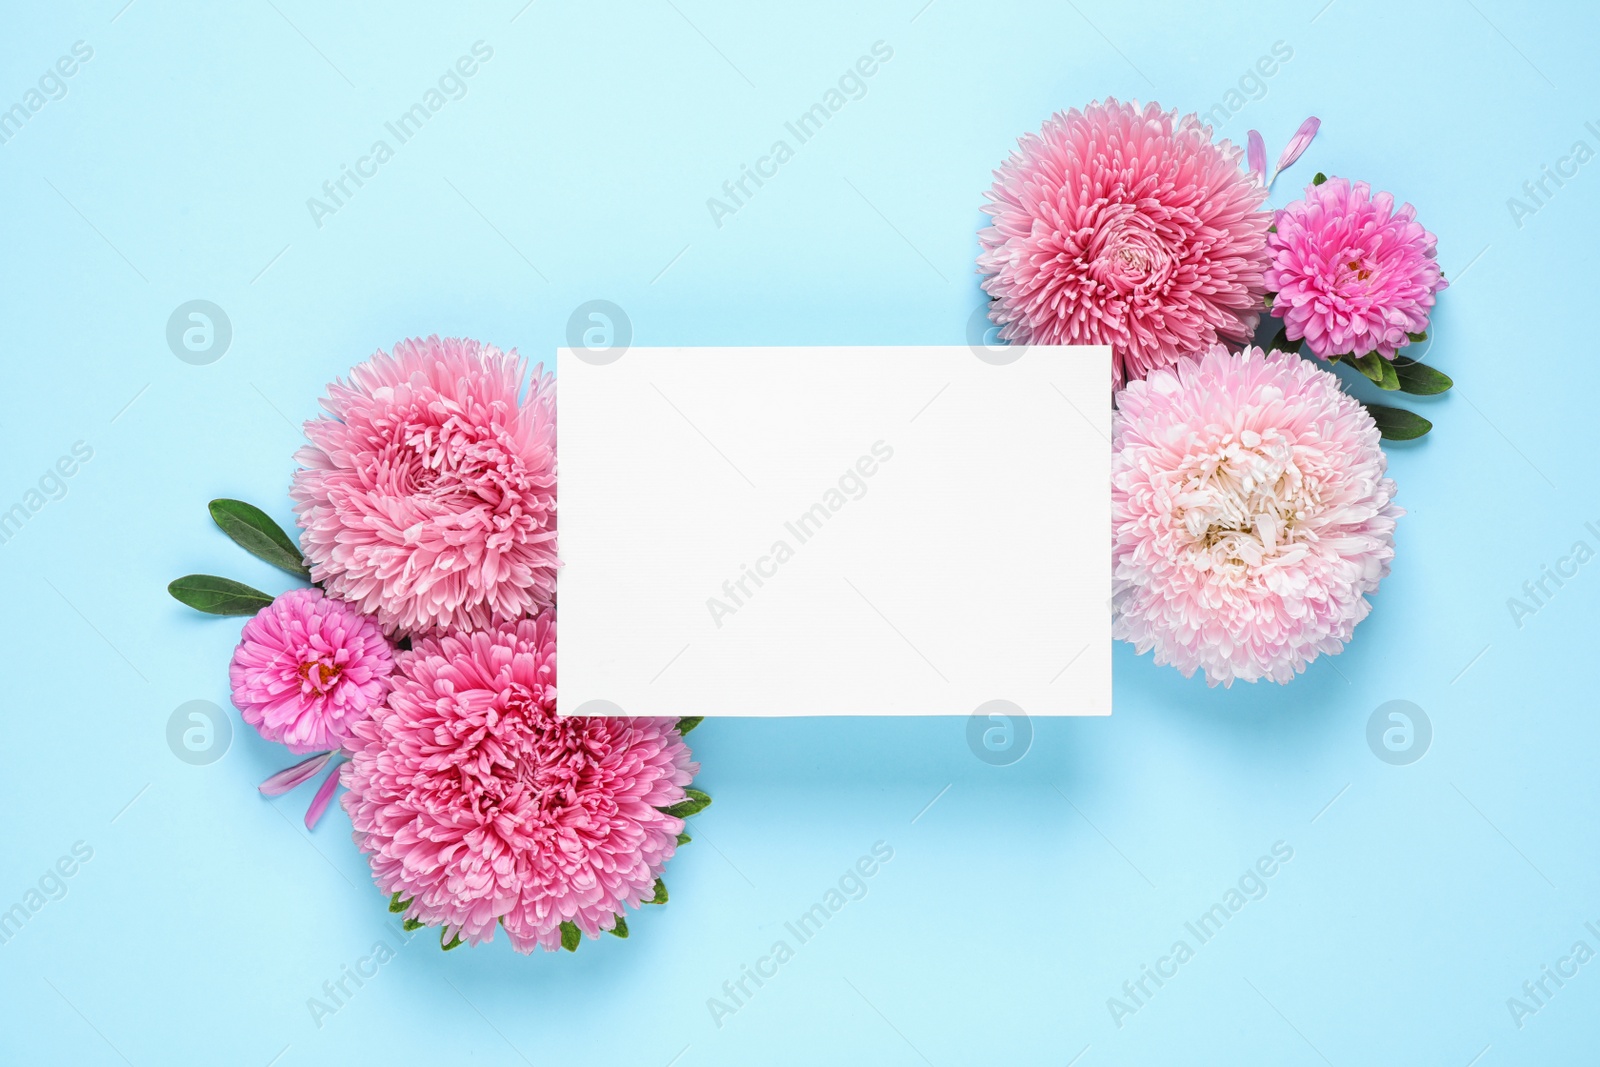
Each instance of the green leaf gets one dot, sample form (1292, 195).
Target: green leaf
(684, 839)
(218, 596)
(685, 725)
(1371, 365)
(1420, 379)
(621, 929)
(254, 531)
(694, 801)
(412, 924)
(1270, 298)
(1391, 377)
(1280, 341)
(661, 893)
(1423, 336)
(1398, 424)
(570, 936)
(1318, 178)
(396, 905)
(453, 942)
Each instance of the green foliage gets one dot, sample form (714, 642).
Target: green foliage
(693, 802)
(254, 531)
(217, 596)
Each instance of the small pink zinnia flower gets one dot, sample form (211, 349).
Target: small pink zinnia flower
(429, 498)
(477, 804)
(1129, 227)
(1352, 275)
(1250, 515)
(308, 668)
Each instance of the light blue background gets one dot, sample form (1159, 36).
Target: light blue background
(578, 166)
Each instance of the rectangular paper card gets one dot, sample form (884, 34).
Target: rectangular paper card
(834, 531)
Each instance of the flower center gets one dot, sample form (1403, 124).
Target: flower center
(319, 677)
(1242, 503)
(1127, 254)
(1358, 267)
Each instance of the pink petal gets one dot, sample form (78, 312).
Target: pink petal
(1298, 143)
(290, 777)
(1257, 151)
(319, 803)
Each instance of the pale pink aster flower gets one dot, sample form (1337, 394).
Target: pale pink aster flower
(1352, 275)
(478, 805)
(1125, 226)
(307, 668)
(1250, 515)
(428, 499)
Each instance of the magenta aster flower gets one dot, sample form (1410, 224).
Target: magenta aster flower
(1250, 515)
(476, 804)
(428, 499)
(1352, 275)
(307, 669)
(1129, 227)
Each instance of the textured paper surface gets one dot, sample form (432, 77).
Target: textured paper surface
(834, 531)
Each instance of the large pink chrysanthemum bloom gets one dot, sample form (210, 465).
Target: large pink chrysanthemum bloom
(477, 804)
(1129, 227)
(428, 499)
(1352, 274)
(307, 669)
(1250, 515)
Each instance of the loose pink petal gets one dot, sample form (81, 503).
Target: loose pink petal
(290, 777)
(1257, 149)
(1298, 143)
(319, 803)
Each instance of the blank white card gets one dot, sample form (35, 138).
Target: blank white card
(834, 531)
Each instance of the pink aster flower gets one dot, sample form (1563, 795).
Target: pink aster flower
(1250, 515)
(476, 804)
(1352, 274)
(308, 668)
(1129, 227)
(428, 499)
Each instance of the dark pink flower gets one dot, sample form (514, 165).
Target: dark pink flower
(1352, 274)
(307, 668)
(1129, 227)
(479, 806)
(428, 499)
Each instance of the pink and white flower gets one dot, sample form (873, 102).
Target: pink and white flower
(1250, 515)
